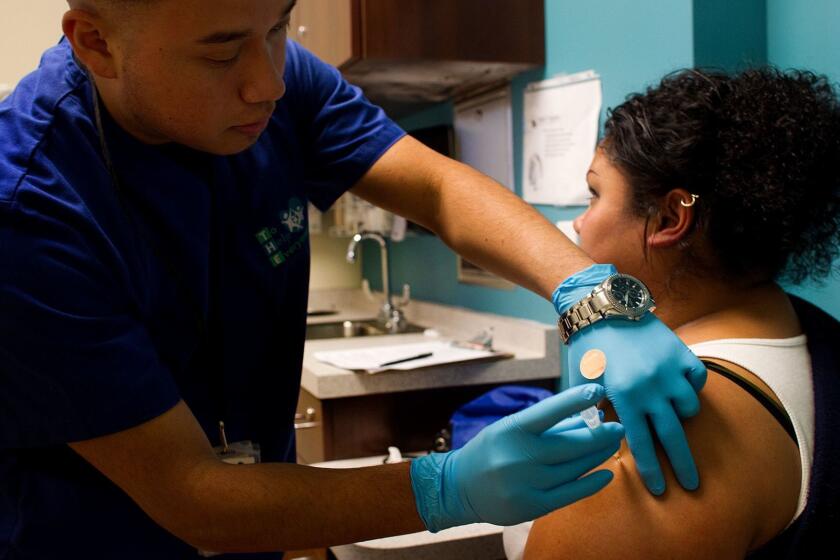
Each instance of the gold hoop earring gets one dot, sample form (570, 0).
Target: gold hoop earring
(694, 198)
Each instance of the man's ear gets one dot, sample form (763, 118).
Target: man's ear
(87, 34)
(675, 220)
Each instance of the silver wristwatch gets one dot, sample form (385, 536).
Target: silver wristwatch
(619, 296)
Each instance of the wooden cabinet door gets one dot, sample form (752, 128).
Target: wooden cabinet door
(494, 31)
(367, 425)
(310, 421)
(325, 27)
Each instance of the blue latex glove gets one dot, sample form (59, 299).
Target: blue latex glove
(650, 374)
(519, 468)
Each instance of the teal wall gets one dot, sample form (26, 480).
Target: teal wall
(631, 44)
(730, 35)
(806, 34)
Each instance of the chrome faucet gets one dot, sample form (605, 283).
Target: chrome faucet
(390, 314)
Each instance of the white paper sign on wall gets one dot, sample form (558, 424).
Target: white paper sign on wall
(560, 134)
(484, 134)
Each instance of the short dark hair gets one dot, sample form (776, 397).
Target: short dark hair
(762, 150)
(109, 3)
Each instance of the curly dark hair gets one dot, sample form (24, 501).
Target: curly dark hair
(762, 150)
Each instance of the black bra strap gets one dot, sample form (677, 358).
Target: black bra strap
(772, 407)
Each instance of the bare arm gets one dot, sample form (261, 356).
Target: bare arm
(750, 487)
(473, 214)
(168, 468)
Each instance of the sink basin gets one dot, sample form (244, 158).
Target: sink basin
(352, 329)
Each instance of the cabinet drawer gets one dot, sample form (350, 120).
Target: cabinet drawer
(309, 429)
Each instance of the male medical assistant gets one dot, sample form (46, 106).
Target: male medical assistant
(134, 277)
(110, 286)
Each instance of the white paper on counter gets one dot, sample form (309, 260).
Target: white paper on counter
(560, 134)
(370, 359)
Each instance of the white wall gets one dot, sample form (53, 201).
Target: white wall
(330, 269)
(28, 28)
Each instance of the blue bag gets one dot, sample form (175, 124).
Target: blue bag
(497, 403)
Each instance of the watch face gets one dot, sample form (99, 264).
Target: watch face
(628, 294)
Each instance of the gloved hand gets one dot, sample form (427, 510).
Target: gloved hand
(519, 468)
(650, 374)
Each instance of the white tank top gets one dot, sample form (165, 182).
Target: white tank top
(784, 364)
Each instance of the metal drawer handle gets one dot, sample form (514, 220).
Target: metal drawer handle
(306, 419)
(308, 415)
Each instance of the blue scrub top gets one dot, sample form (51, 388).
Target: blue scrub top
(102, 297)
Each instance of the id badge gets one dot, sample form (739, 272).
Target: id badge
(238, 453)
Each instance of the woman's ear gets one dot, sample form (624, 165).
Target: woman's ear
(675, 220)
(86, 33)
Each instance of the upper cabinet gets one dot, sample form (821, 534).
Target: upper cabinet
(325, 27)
(409, 52)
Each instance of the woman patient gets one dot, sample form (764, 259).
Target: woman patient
(711, 188)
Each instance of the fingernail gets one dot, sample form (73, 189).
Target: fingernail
(592, 390)
(655, 483)
(615, 428)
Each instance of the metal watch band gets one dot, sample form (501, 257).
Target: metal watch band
(587, 311)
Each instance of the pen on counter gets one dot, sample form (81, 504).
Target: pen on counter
(410, 358)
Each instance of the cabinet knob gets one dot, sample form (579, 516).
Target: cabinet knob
(306, 419)
(302, 30)
(308, 415)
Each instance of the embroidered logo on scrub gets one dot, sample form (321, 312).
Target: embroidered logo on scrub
(288, 236)
(293, 219)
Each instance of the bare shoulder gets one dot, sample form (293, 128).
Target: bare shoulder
(750, 478)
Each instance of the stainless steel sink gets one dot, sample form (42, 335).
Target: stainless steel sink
(352, 329)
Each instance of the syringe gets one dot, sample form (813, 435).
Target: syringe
(591, 416)
(593, 419)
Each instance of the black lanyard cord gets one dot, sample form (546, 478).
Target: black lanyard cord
(198, 312)
(210, 340)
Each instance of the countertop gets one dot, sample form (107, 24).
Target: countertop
(535, 346)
